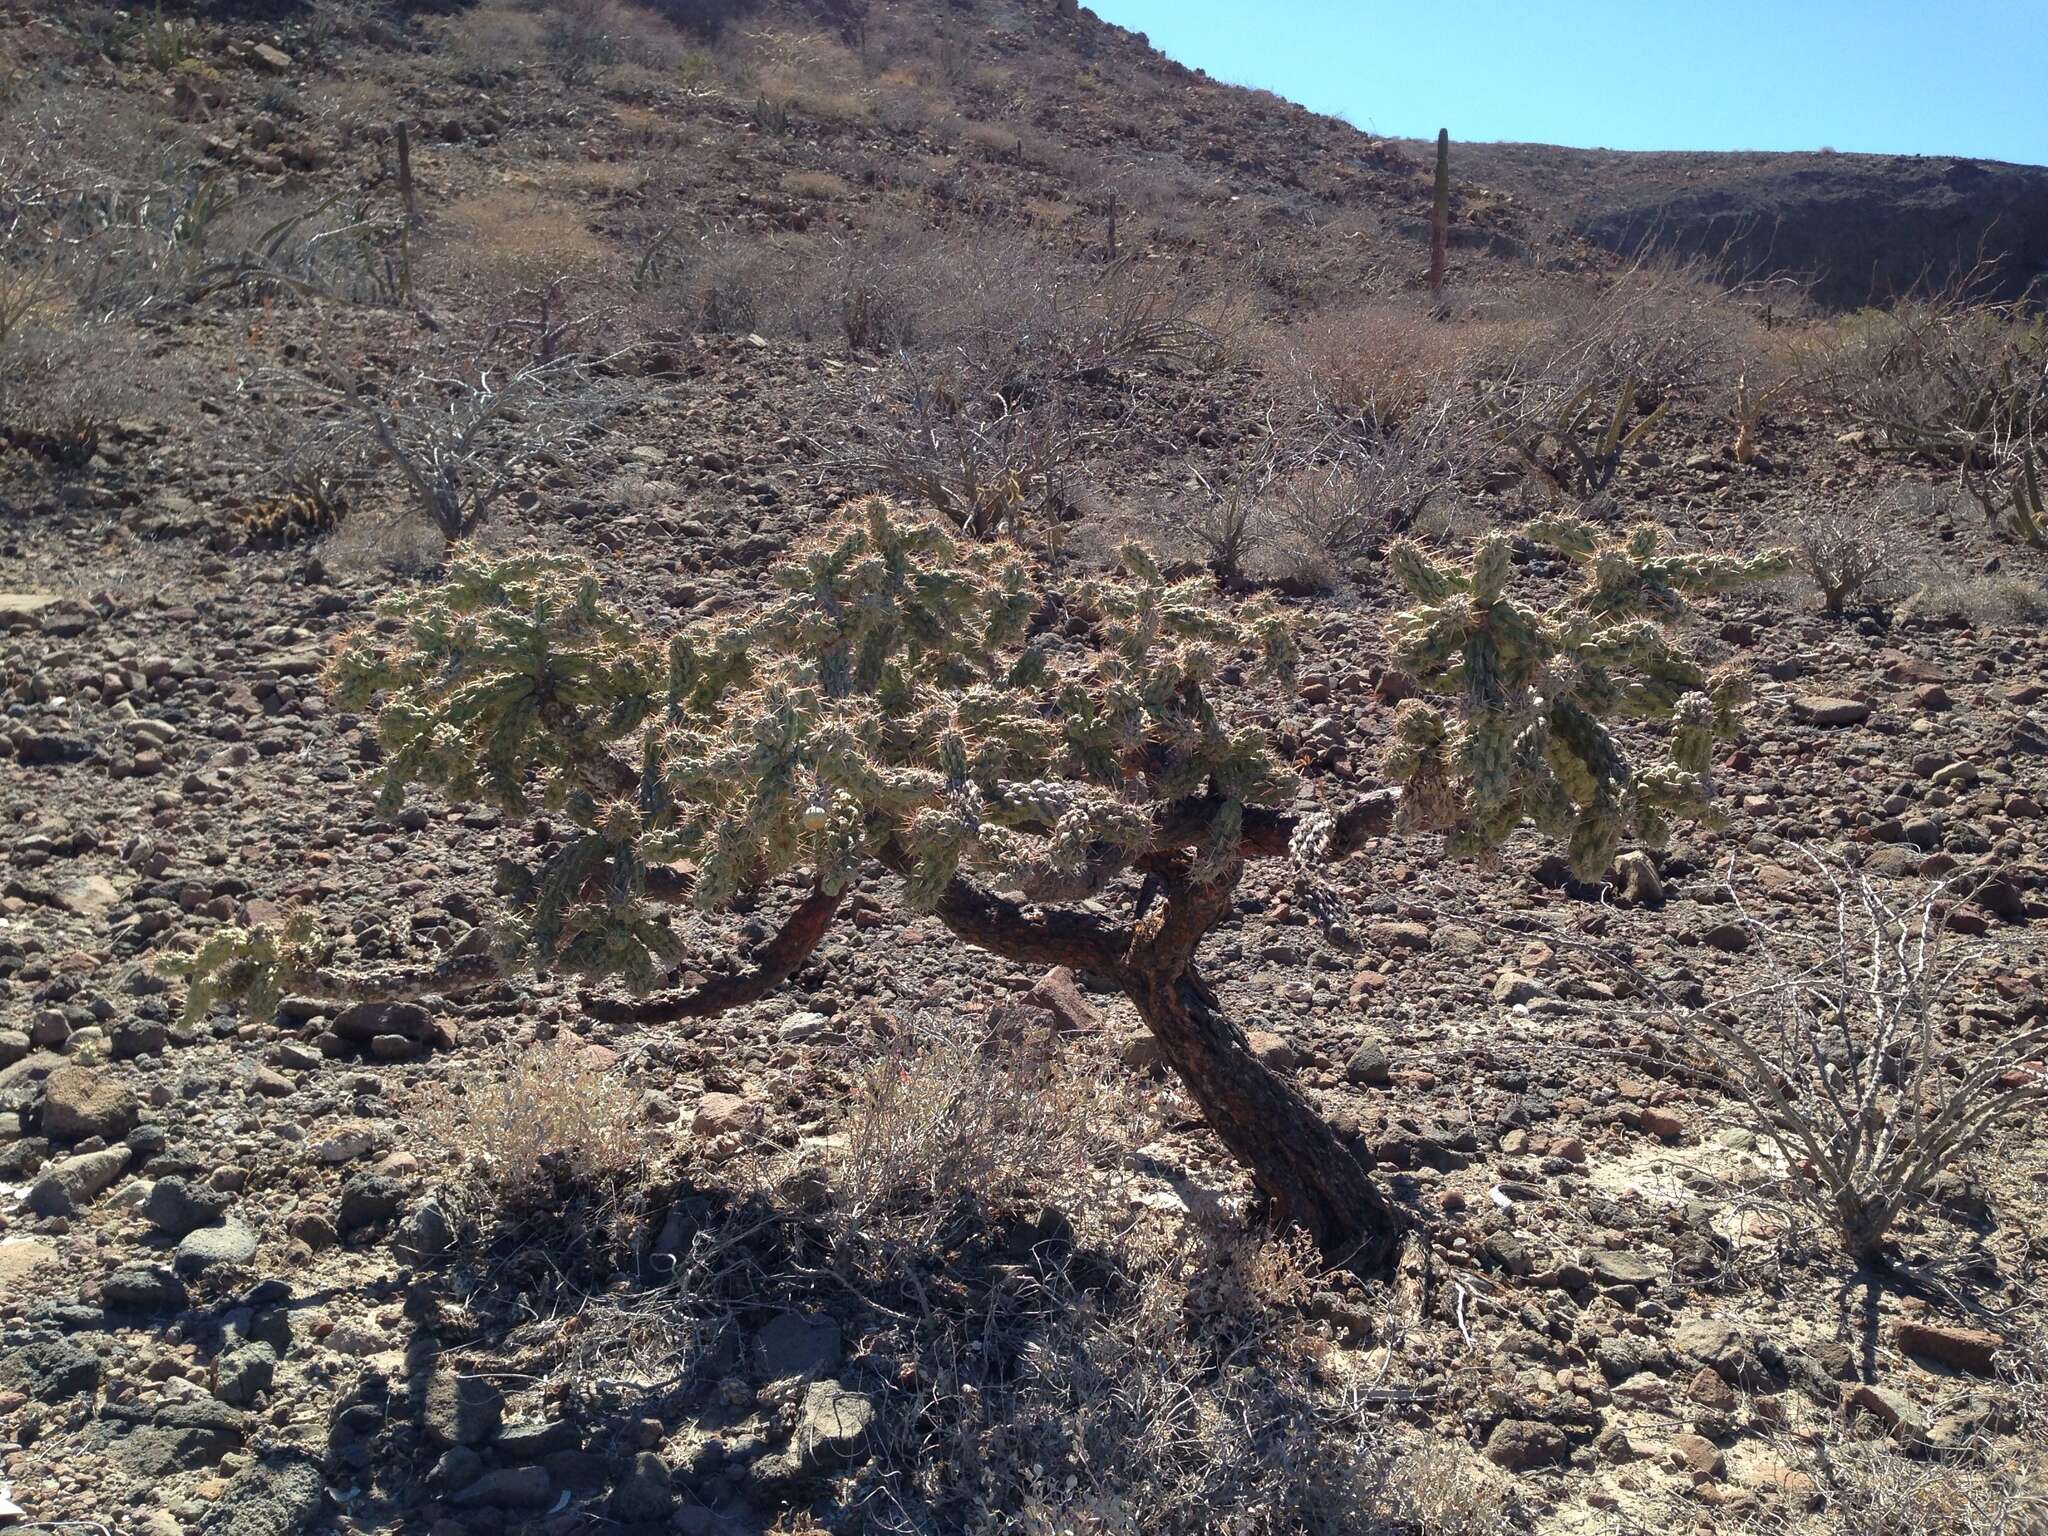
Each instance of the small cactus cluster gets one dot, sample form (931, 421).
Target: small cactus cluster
(1534, 691)
(902, 689)
(309, 508)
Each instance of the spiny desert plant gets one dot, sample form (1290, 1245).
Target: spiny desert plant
(1580, 449)
(1534, 690)
(922, 704)
(1852, 1066)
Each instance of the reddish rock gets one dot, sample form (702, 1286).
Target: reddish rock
(1966, 1349)
(1663, 1124)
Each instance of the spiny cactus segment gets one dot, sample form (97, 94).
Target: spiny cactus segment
(1533, 690)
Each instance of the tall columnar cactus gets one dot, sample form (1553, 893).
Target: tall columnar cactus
(1440, 215)
(1007, 748)
(1534, 690)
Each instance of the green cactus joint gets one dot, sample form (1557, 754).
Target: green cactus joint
(1010, 748)
(1533, 694)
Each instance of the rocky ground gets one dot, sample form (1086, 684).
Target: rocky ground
(252, 1275)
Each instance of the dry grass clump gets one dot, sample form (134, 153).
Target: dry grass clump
(1872, 1488)
(1064, 1369)
(531, 1120)
(1441, 1489)
(512, 235)
(1998, 599)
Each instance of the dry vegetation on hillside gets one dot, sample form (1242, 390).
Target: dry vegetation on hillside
(1490, 1001)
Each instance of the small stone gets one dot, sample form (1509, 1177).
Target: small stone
(1893, 1409)
(209, 1248)
(1662, 1123)
(1825, 709)
(1272, 1050)
(367, 1199)
(145, 1287)
(1697, 1455)
(1965, 1349)
(797, 1344)
(175, 1206)
(1060, 994)
(1709, 1389)
(244, 1374)
(724, 1114)
(645, 1492)
(1369, 1066)
(69, 1186)
(81, 1101)
(508, 1488)
(461, 1410)
(1522, 1445)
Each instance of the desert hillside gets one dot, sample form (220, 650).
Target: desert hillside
(873, 767)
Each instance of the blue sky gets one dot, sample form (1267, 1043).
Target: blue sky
(1960, 77)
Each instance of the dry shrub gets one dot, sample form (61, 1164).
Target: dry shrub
(2000, 599)
(1659, 325)
(1850, 552)
(822, 185)
(495, 42)
(1379, 362)
(523, 1123)
(1874, 1489)
(510, 236)
(1442, 1489)
(1947, 375)
(1107, 1376)
(1850, 1058)
(65, 382)
(950, 1107)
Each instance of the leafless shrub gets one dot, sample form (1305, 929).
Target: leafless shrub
(1442, 1489)
(1380, 363)
(580, 39)
(67, 382)
(1945, 375)
(526, 1120)
(1157, 1380)
(1228, 521)
(952, 1107)
(1956, 378)
(1875, 1489)
(1844, 550)
(1131, 315)
(1364, 480)
(1853, 1066)
(458, 435)
(943, 432)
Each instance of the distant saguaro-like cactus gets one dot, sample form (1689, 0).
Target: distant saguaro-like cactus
(1440, 216)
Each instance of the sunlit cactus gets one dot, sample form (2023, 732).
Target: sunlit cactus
(890, 693)
(1532, 690)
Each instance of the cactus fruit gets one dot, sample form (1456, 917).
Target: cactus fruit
(1534, 690)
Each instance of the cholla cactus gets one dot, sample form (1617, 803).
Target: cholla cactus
(909, 700)
(891, 697)
(1533, 691)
